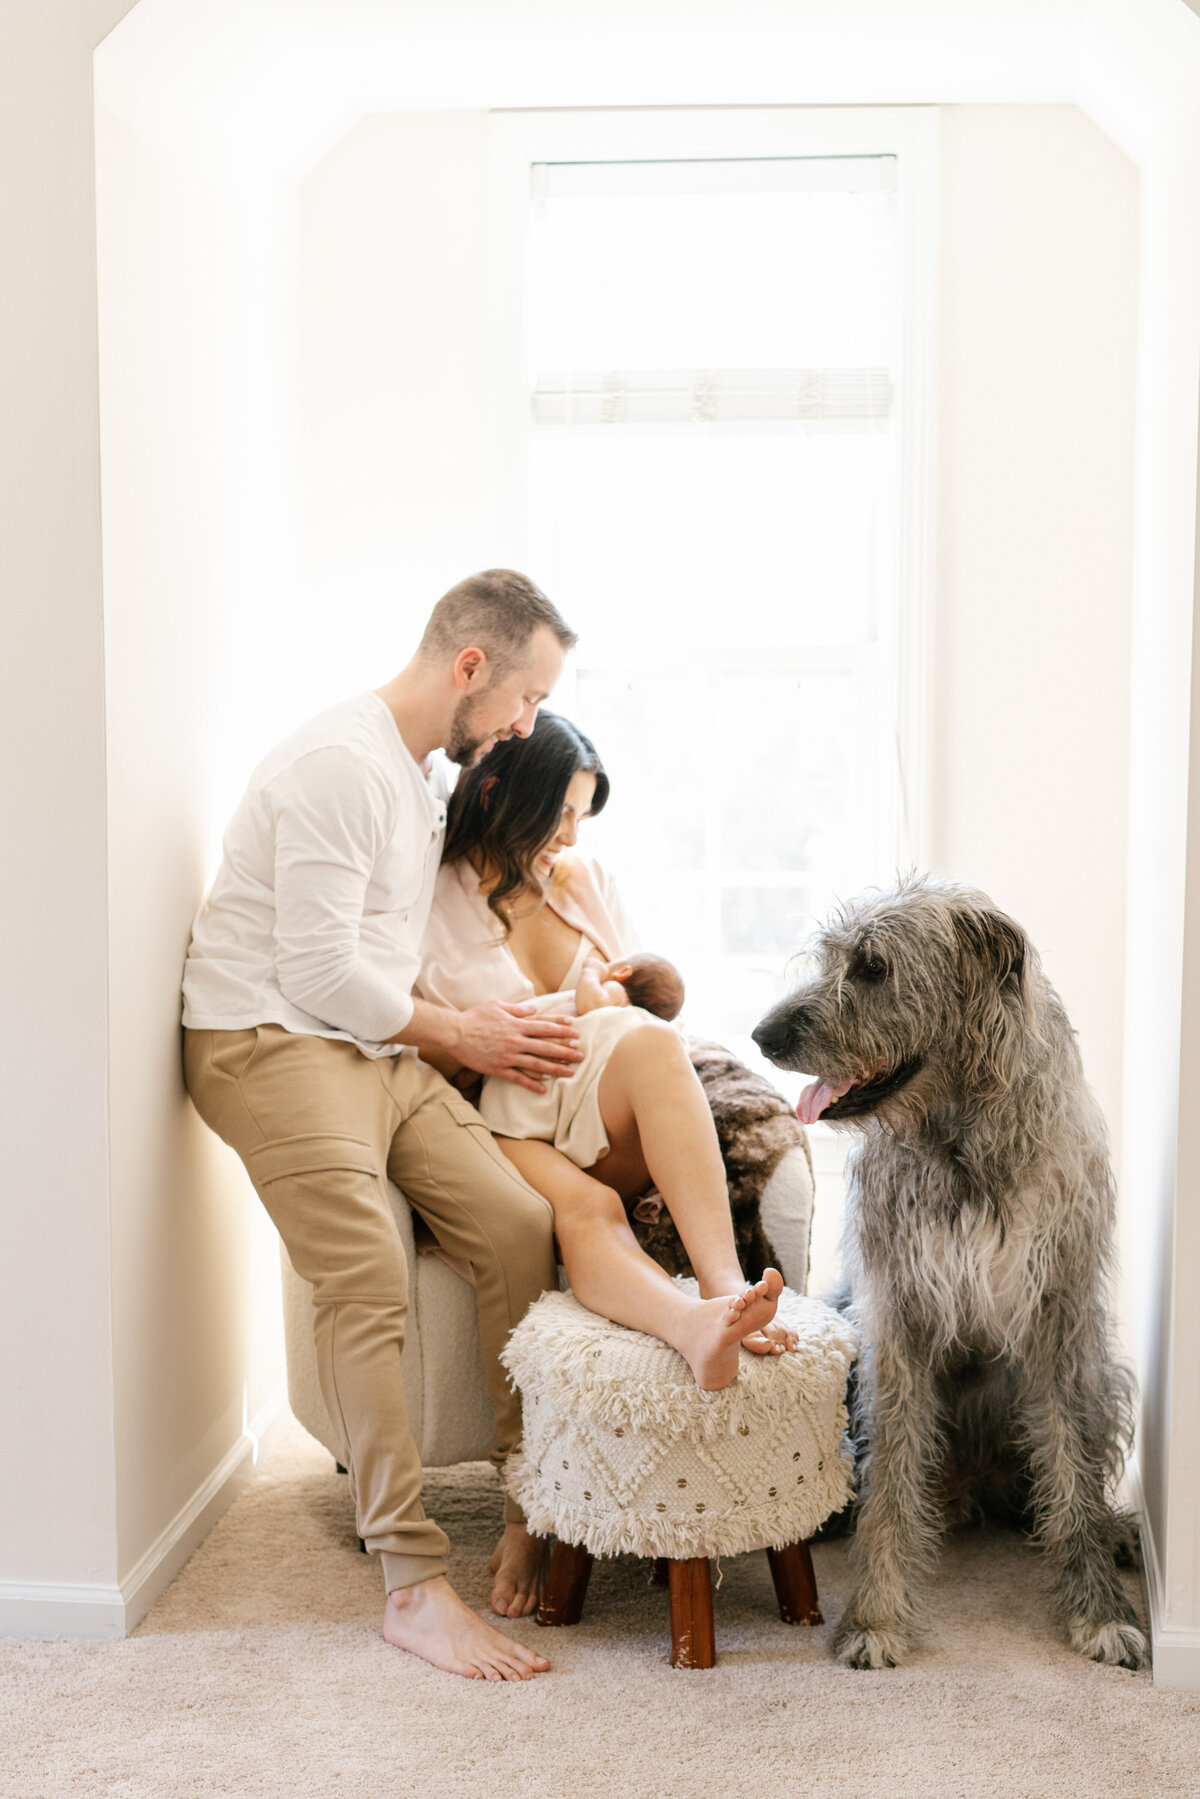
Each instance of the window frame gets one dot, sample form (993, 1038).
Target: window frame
(895, 666)
(520, 139)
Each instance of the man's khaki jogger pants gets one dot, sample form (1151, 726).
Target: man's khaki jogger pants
(320, 1128)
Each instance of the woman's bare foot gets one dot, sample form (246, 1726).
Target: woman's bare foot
(431, 1621)
(517, 1562)
(718, 1327)
(773, 1339)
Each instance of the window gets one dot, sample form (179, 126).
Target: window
(715, 346)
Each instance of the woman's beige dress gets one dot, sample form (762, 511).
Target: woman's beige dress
(465, 962)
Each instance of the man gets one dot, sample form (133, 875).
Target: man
(300, 1041)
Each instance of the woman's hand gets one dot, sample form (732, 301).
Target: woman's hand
(512, 1042)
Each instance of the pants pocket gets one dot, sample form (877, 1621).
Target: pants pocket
(311, 1153)
(328, 1199)
(232, 1052)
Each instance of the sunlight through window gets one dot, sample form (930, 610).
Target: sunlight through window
(713, 359)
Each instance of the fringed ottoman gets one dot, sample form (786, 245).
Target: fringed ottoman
(625, 1454)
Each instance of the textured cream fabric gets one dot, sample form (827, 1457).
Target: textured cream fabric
(786, 1209)
(567, 1114)
(624, 1452)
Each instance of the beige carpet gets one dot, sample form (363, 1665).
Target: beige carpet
(261, 1671)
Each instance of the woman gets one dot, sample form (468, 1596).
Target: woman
(514, 917)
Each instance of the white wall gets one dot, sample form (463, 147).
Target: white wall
(394, 440)
(1034, 514)
(57, 1488)
(1161, 1186)
(133, 1332)
(195, 556)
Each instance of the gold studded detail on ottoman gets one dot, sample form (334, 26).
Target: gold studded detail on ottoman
(624, 1453)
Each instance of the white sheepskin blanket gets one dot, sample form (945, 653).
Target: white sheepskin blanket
(625, 1454)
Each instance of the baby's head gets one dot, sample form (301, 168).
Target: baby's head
(650, 982)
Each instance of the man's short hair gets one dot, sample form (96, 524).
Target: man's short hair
(498, 612)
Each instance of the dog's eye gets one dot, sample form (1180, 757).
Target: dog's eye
(873, 968)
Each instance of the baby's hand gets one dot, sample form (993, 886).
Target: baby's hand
(591, 989)
(596, 987)
(589, 994)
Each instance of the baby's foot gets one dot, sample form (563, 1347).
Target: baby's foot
(776, 1339)
(718, 1327)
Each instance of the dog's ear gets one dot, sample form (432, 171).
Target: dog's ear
(997, 991)
(998, 944)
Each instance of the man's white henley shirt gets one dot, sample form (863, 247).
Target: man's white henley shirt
(315, 919)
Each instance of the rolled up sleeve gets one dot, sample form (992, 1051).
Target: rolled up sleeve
(332, 815)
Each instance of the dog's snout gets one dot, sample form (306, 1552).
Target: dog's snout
(774, 1033)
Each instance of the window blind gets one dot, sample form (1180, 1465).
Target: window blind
(861, 397)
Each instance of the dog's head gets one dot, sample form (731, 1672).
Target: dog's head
(915, 998)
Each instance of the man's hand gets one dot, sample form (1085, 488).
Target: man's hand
(509, 1040)
(496, 1038)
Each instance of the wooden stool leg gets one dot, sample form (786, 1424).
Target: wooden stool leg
(795, 1584)
(659, 1577)
(693, 1642)
(566, 1585)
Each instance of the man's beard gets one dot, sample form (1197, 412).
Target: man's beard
(463, 744)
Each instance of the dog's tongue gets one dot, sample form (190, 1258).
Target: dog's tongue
(815, 1099)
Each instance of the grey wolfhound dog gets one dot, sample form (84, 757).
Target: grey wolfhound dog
(978, 1238)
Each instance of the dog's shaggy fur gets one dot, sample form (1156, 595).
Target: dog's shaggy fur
(979, 1227)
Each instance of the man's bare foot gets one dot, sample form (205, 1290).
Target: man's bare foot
(517, 1562)
(431, 1621)
(720, 1326)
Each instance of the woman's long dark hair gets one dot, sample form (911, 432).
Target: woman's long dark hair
(506, 809)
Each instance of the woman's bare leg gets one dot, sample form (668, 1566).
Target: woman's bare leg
(611, 1274)
(656, 1114)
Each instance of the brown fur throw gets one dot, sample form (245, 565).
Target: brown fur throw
(755, 1128)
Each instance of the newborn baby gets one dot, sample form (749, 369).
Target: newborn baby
(650, 982)
(609, 999)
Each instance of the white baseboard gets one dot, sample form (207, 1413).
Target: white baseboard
(1176, 1652)
(54, 1609)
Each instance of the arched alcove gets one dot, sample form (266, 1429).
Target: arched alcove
(222, 131)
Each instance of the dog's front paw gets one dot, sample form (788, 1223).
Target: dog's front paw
(1121, 1644)
(863, 1646)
